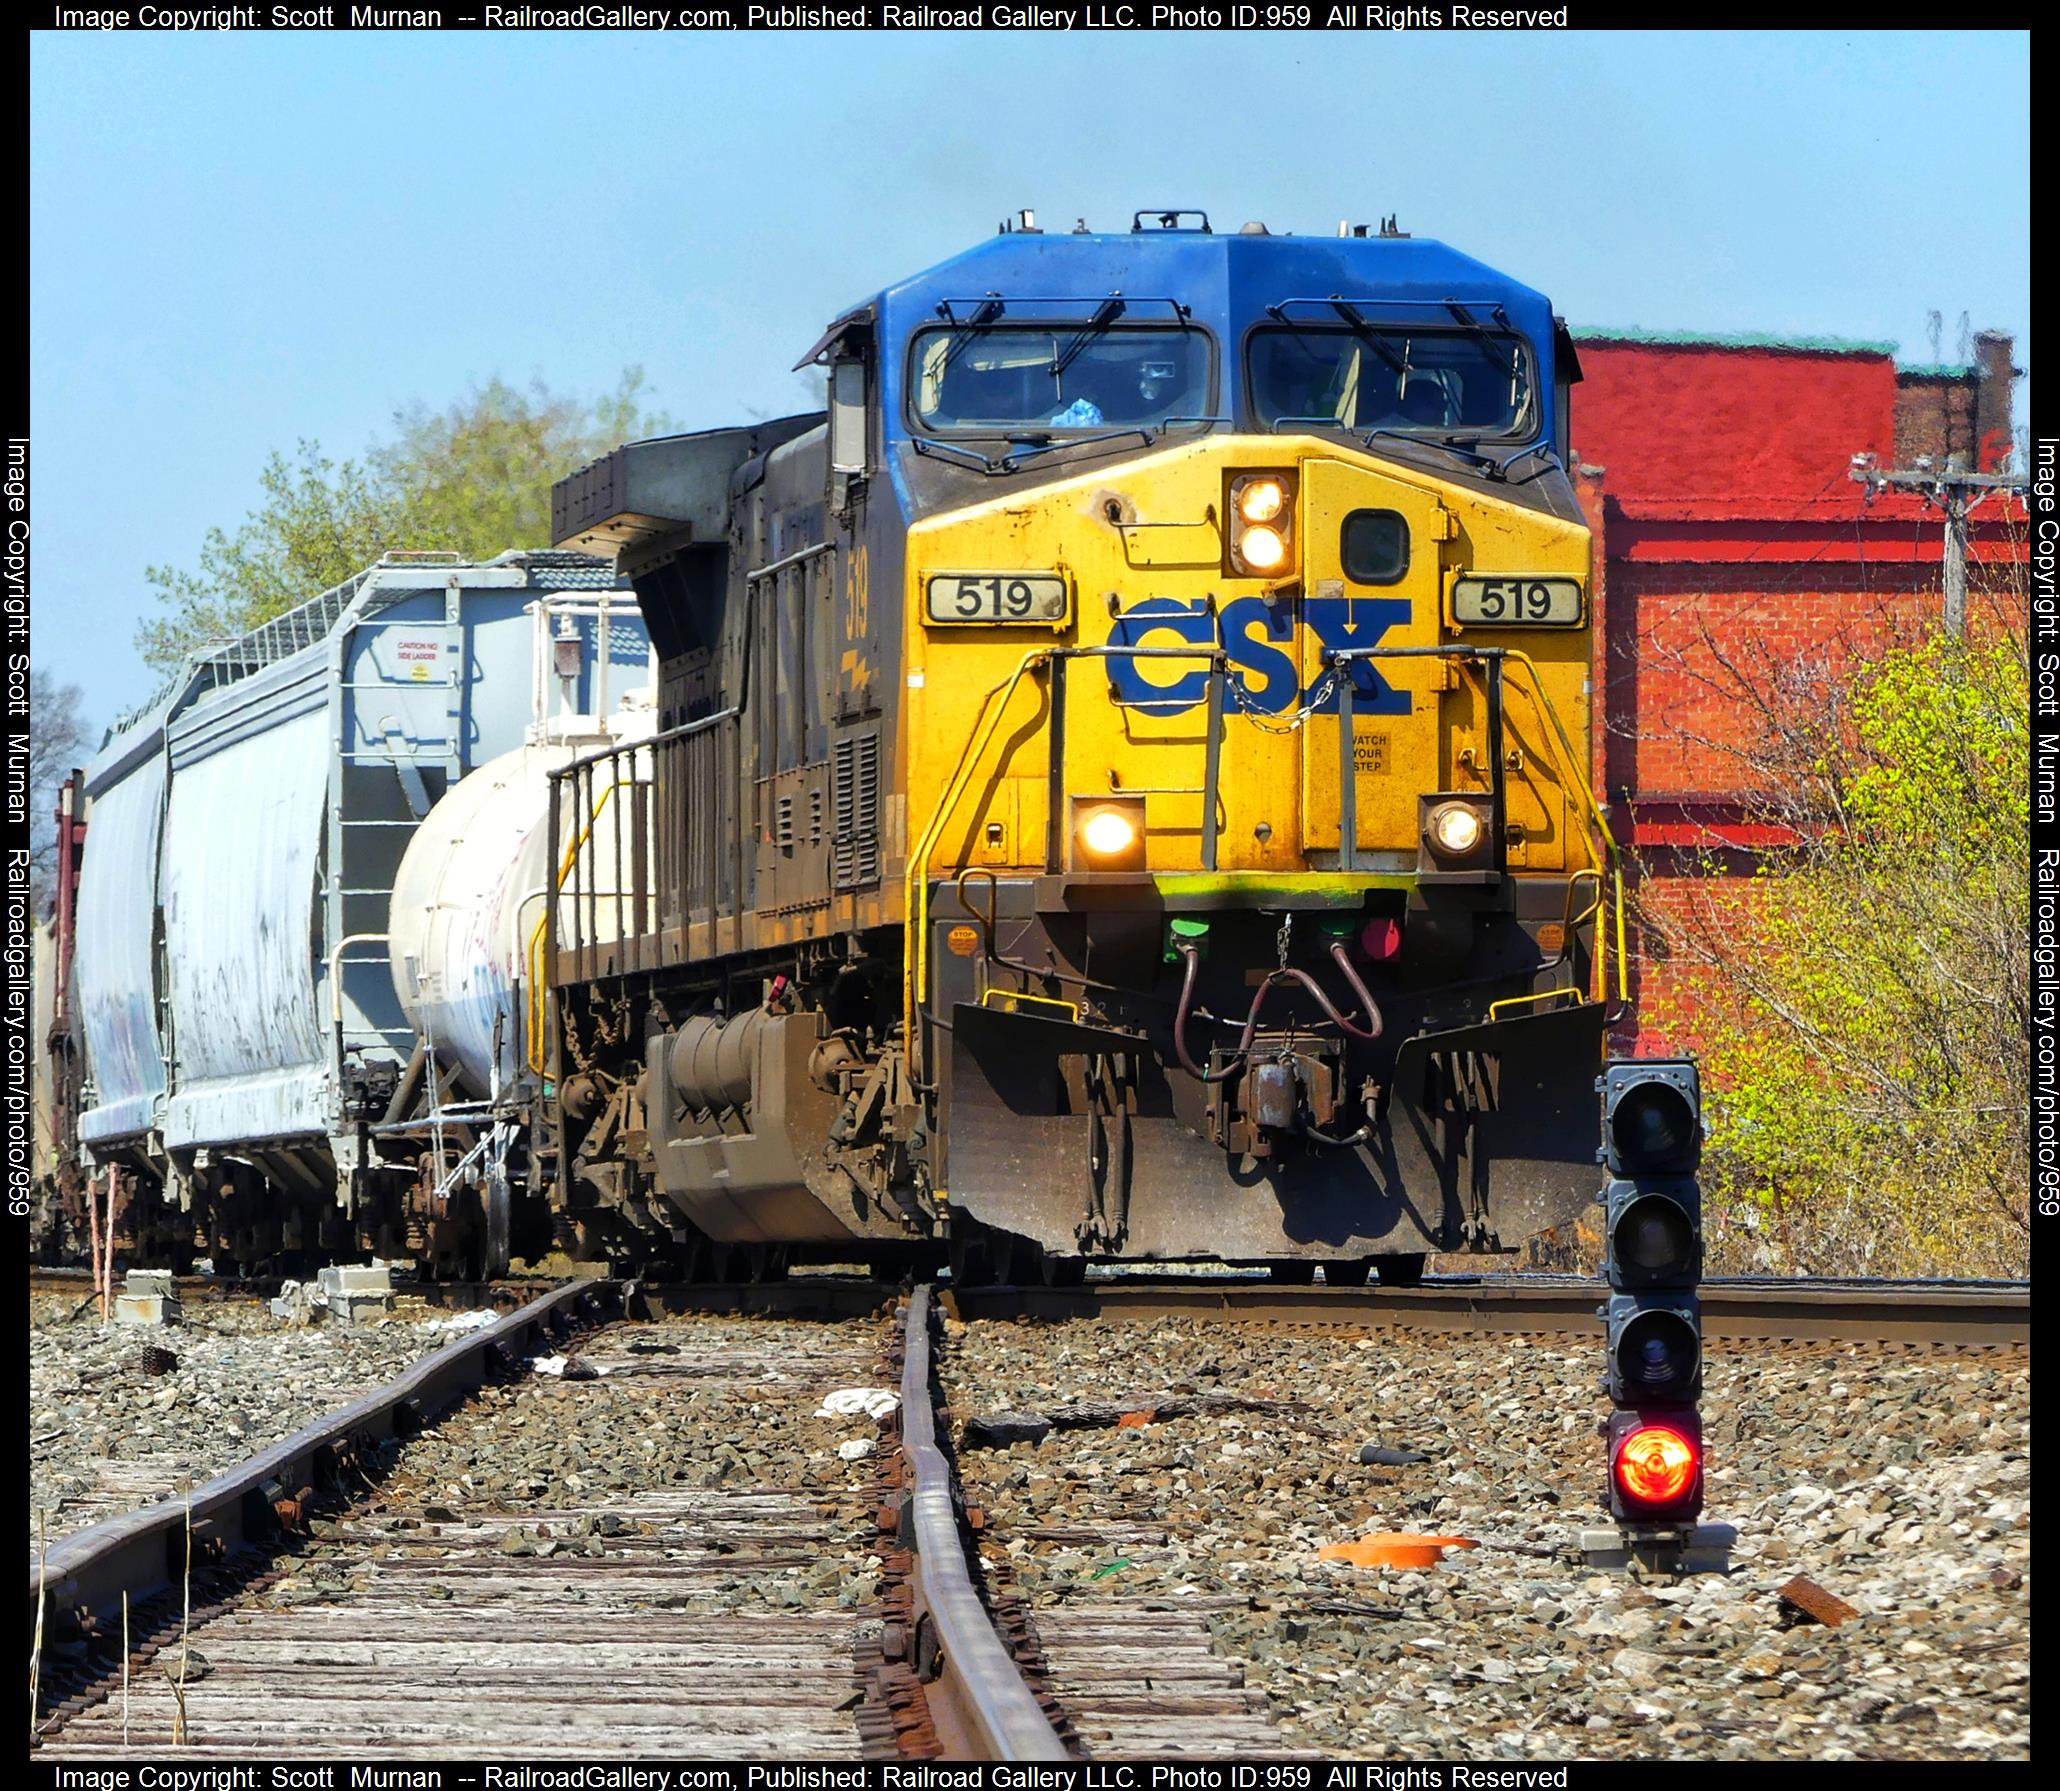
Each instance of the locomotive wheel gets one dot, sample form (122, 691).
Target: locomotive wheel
(691, 1260)
(1400, 1271)
(1352, 1272)
(498, 1202)
(765, 1262)
(1294, 1272)
(972, 1261)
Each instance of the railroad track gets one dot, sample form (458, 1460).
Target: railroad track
(1921, 1313)
(343, 1583)
(364, 1590)
(509, 1291)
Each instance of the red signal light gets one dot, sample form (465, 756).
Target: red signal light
(1657, 1466)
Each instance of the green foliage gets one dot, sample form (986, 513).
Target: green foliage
(474, 478)
(1943, 738)
(1863, 1002)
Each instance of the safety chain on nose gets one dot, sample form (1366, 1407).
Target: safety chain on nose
(1282, 939)
(1319, 694)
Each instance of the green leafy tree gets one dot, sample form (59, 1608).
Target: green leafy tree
(1862, 1001)
(473, 478)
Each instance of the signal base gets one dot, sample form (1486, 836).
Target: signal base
(1659, 1548)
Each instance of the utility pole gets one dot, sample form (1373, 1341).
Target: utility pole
(1955, 491)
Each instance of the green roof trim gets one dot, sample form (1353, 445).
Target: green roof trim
(1701, 339)
(1939, 371)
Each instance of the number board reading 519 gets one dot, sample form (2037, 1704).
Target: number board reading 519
(998, 597)
(1516, 602)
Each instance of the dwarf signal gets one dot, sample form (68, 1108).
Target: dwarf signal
(1652, 1206)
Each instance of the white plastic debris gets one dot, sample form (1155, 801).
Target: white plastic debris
(849, 1402)
(857, 1449)
(462, 1321)
(570, 1368)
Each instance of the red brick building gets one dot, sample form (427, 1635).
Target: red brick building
(1732, 541)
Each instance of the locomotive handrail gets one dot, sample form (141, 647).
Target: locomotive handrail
(1570, 764)
(1003, 300)
(793, 559)
(697, 725)
(917, 882)
(535, 955)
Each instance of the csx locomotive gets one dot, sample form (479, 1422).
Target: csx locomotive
(1118, 785)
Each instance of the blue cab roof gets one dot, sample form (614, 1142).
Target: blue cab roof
(1227, 281)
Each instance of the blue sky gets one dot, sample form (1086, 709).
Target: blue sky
(241, 240)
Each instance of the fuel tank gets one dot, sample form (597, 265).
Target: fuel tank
(469, 903)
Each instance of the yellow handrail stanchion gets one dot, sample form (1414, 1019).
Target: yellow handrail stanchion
(917, 903)
(535, 954)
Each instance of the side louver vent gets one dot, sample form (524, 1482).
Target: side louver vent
(855, 797)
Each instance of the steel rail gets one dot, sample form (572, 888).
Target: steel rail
(978, 1701)
(144, 1552)
(1969, 1314)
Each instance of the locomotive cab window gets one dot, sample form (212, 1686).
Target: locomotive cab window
(1392, 378)
(1373, 547)
(1058, 376)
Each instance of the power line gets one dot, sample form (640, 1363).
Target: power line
(1955, 491)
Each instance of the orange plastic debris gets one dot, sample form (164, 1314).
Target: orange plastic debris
(1135, 1420)
(1394, 1551)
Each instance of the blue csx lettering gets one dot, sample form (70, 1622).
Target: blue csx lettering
(1254, 631)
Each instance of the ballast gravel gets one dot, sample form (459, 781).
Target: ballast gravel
(107, 1436)
(1899, 1482)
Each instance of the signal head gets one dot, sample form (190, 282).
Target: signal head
(1655, 1348)
(1653, 1233)
(1652, 1117)
(1655, 1466)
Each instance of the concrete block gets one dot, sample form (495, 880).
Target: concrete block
(1704, 1549)
(357, 1278)
(293, 1304)
(151, 1284)
(144, 1309)
(355, 1308)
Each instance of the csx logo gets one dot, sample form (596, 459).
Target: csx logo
(1259, 639)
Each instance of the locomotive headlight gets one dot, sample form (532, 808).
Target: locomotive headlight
(1262, 549)
(1455, 830)
(1261, 500)
(1108, 833)
(1262, 524)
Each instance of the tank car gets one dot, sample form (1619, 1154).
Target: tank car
(1120, 781)
(258, 1088)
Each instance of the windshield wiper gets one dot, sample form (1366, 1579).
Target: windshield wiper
(1042, 443)
(1105, 314)
(1356, 320)
(984, 313)
(1483, 335)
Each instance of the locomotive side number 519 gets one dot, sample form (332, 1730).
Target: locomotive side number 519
(997, 597)
(1517, 602)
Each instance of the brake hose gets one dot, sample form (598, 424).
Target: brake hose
(1286, 973)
